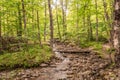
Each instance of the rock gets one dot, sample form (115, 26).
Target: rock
(44, 65)
(53, 66)
(64, 69)
(35, 75)
(70, 73)
(70, 76)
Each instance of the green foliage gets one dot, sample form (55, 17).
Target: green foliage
(94, 45)
(80, 17)
(25, 59)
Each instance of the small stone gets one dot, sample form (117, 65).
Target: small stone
(70, 73)
(44, 65)
(53, 66)
(64, 69)
(70, 76)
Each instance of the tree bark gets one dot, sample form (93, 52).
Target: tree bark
(38, 25)
(0, 25)
(106, 13)
(51, 23)
(19, 29)
(108, 20)
(45, 23)
(77, 20)
(96, 7)
(64, 10)
(83, 18)
(33, 25)
(63, 17)
(90, 32)
(116, 36)
(58, 26)
(24, 15)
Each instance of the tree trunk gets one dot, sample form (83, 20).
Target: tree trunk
(77, 20)
(24, 15)
(63, 18)
(59, 33)
(83, 18)
(116, 36)
(90, 32)
(45, 24)
(38, 24)
(19, 29)
(106, 13)
(51, 23)
(33, 25)
(96, 7)
(66, 5)
(64, 11)
(0, 25)
(107, 19)
(0, 32)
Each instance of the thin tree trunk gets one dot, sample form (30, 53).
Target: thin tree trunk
(96, 7)
(107, 31)
(63, 18)
(7, 24)
(45, 24)
(108, 20)
(112, 9)
(90, 33)
(59, 33)
(64, 13)
(83, 18)
(24, 22)
(38, 25)
(0, 26)
(106, 13)
(24, 15)
(4, 22)
(33, 18)
(66, 5)
(51, 23)
(0, 33)
(77, 21)
(19, 29)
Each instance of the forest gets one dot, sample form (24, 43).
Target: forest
(59, 39)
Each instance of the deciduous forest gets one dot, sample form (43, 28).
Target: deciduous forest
(59, 39)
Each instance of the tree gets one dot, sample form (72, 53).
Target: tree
(108, 21)
(96, 7)
(0, 25)
(45, 23)
(24, 15)
(57, 20)
(116, 35)
(19, 28)
(38, 25)
(51, 23)
(64, 11)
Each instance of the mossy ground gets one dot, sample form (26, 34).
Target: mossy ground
(26, 58)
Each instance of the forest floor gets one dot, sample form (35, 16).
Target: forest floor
(68, 66)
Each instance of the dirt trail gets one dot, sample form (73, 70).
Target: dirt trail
(67, 66)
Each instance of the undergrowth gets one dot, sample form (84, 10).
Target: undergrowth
(93, 44)
(30, 57)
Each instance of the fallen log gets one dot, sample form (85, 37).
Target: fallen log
(73, 51)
